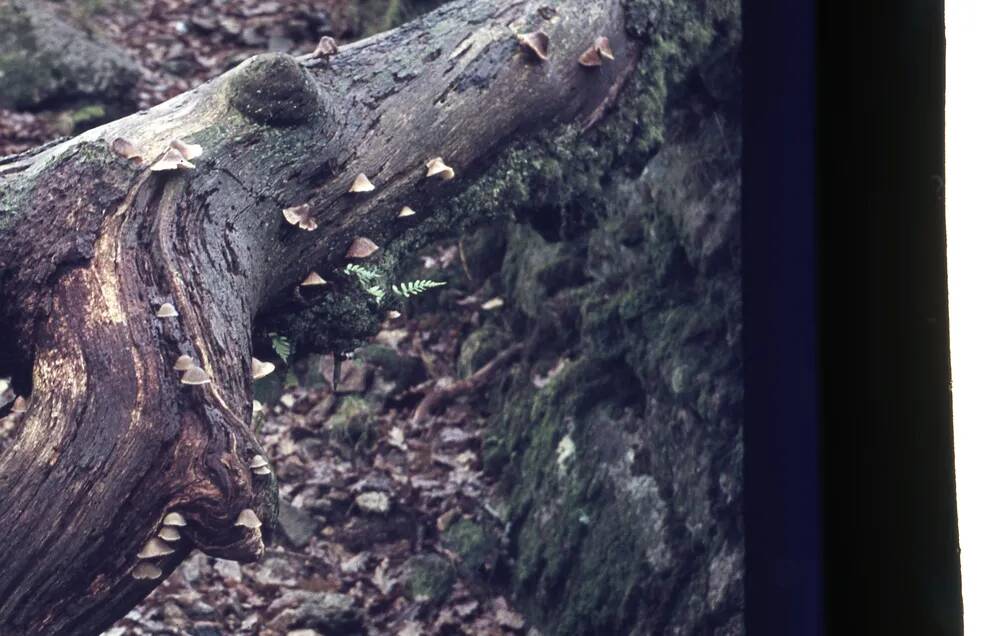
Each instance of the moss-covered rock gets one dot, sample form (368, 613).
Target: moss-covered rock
(352, 421)
(428, 578)
(481, 346)
(477, 548)
(47, 62)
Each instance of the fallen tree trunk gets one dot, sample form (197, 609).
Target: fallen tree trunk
(92, 244)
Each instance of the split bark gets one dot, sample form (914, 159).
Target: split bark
(91, 244)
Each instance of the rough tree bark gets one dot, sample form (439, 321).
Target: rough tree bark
(91, 244)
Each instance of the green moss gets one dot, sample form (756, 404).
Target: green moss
(481, 346)
(428, 578)
(352, 421)
(476, 547)
(273, 89)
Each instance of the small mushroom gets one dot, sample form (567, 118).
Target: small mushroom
(263, 470)
(260, 369)
(257, 407)
(20, 405)
(172, 160)
(166, 310)
(125, 148)
(301, 216)
(537, 42)
(313, 279)
(155, 548)
(174, 519)
(361, 248)
(248, 519)
(361, 184)
(258, 461)
(195, 376)
(184, 363)
(169, 533)
(405, 212)
(603, 47)
(437, 166)
(392, 314)
(327, 46)
(590, 58)
(188, 151)
(146, 570)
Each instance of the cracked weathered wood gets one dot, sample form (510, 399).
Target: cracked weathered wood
(93, 244)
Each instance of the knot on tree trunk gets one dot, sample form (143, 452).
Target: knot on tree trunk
(274, 89)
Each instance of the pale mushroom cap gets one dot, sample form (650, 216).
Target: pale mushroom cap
(260, 369)
(361, 248)
(169, 533)
(493, 303)
(392, 314)
(406, 211)
(184, 363)
(603, 47)
(327, 46)
(172, 160)
(155, 548)
(263, 470)
(258, 461)
(313, 279)
(146, 570)
(361, 184)
(125, 148)
(437, 166)
(536, 42)
(257, 406)
(174, 519)
(166, 310)
(590, 58)
(301, 215)
(194, 376)
(294, 214)
(248, 519)
(20, 405)
(188, 151)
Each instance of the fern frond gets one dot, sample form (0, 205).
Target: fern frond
(414, 287)
(376, 291)
(364, 274)
(281, 346)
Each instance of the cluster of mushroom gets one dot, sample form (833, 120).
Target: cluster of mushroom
(303, 217)
(159, 546)
(178, 154)
(537, 43)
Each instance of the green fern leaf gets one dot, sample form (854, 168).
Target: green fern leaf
(415, 287)
(281, 346)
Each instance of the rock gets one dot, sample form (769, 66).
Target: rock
(276, 571)
(376, 502)
(428, 578)
(296, 525)
(355, 377)
(351, 422)
(477, 548)
(480, 347)
(326, 612)
(205, 629)
(229, 570)
(483, 251)
(400, 371)
(45, 61)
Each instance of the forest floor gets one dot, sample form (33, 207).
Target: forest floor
(380, 512)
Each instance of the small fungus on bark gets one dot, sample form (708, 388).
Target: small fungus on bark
(361, 248)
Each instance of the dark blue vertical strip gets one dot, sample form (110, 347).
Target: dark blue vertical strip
(783, 587)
